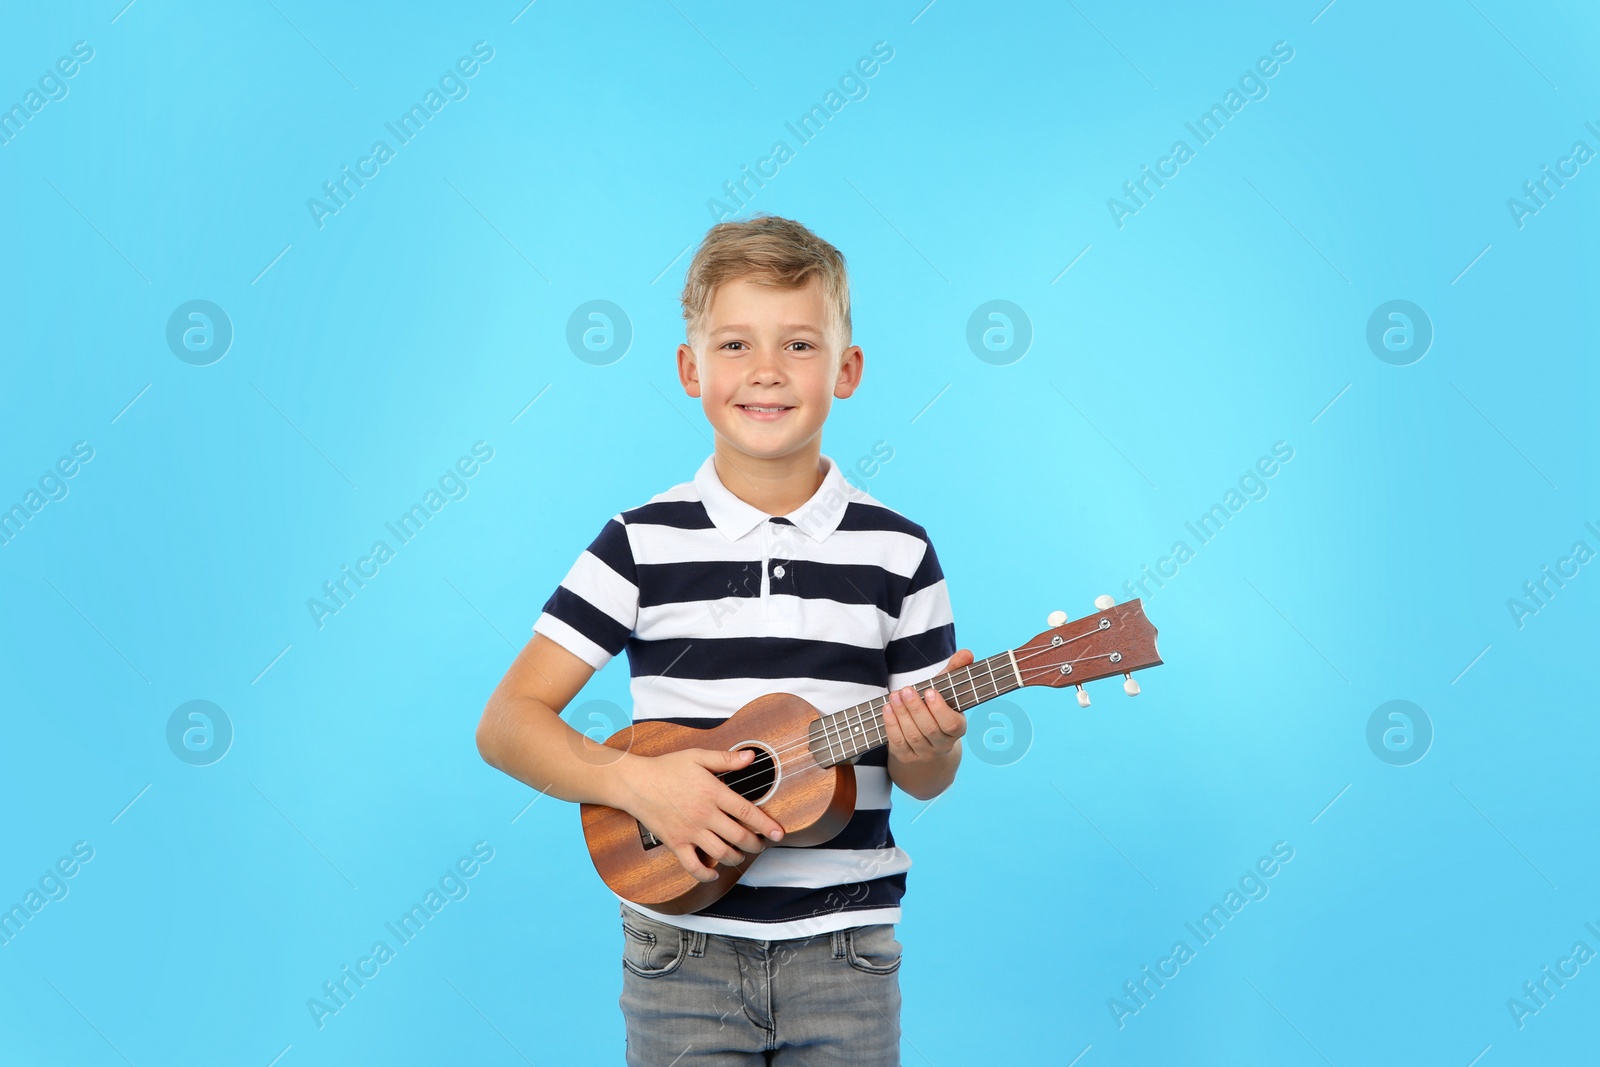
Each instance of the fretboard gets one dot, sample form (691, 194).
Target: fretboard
(847, 734)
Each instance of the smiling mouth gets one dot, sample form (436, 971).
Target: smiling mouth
(768, 409)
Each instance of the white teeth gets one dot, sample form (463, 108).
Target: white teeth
(747, 407)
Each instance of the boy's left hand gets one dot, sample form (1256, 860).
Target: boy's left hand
(923, 726)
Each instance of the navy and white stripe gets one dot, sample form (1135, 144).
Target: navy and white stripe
(717, 603)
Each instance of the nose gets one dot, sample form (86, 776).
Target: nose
(767, 367)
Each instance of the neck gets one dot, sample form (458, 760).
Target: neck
(776, 486)
(847, 734)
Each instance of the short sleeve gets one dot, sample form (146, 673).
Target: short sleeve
(924, 635)
(596, 607)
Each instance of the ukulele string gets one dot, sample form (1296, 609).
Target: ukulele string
(991, 671)
(802, 747)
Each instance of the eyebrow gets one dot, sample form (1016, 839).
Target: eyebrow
(788, 327)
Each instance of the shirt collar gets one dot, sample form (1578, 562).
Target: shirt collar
(817, 517)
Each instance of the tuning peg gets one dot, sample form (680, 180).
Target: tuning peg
(1103, 602)
(1057, 618)
(1130, 686)
(1083, 698)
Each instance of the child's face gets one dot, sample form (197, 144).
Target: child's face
(765, 346)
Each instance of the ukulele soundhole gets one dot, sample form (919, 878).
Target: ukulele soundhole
(755, 780)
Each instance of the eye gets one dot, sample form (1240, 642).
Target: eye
(804, 345)
(731, 343)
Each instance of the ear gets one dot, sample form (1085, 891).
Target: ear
(852, 363)
(688, 371)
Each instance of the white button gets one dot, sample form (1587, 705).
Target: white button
(777, 572)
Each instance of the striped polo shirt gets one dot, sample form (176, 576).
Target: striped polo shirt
(718, 603)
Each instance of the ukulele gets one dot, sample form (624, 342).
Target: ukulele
(802, 773)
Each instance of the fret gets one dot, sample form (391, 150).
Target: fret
(958, 702)
(994, 677)
(858, 729)
(954, 695)
(860, 732)
(991, 681)
(968, 682)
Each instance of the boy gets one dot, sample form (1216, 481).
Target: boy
(766, 573)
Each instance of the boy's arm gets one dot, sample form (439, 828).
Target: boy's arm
(522, 733)
(676, 795)
(923, 735)
(581, 627)
(585, 623)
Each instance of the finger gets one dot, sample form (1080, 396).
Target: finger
(919, 714)
(753, 817)
(951, 722)
(735, 834)
(691, 863)
(719, 850)
(910, 737)
(714, 759)
(892, 731)
(963, 658)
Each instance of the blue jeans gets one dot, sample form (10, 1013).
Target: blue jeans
(693, 999)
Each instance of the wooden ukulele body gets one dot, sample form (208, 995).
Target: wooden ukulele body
(810, 801)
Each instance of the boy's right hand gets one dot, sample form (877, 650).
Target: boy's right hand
(679, 798)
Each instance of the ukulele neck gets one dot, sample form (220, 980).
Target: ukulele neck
(843, 736)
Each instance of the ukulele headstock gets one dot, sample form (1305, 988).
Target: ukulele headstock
(1116, 639)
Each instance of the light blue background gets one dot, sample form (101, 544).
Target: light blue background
(1228, 314)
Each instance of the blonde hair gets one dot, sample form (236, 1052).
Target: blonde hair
(771, 251)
